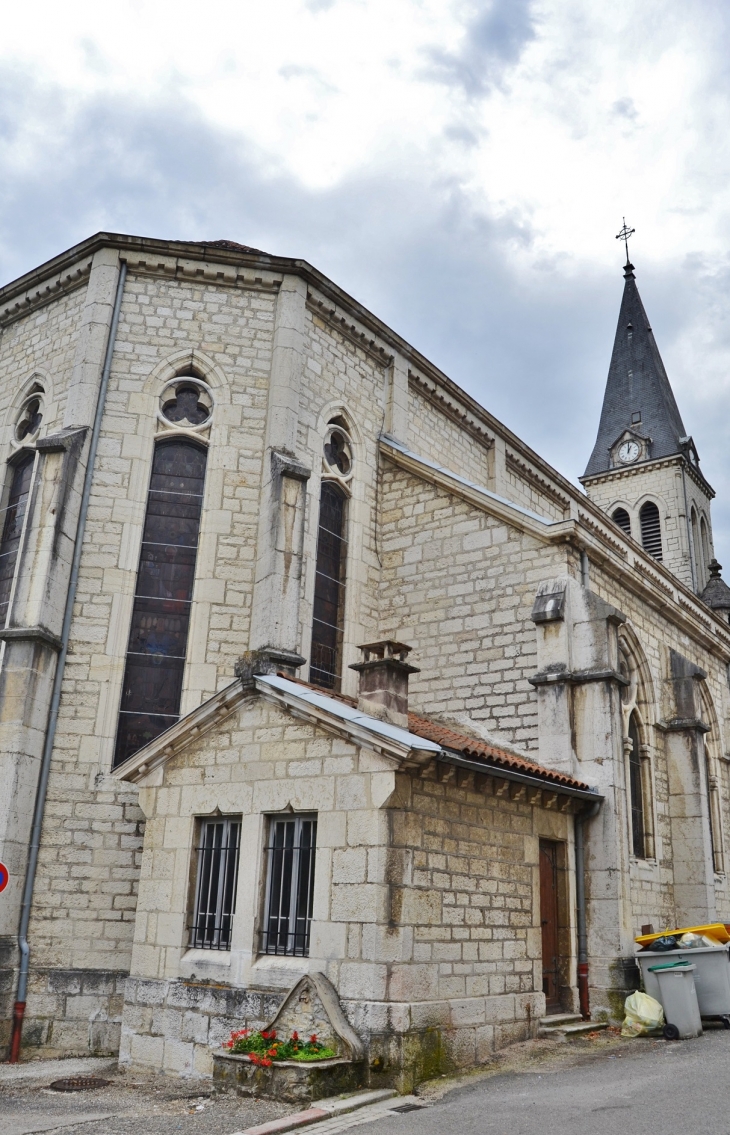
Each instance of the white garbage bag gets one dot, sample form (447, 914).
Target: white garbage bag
(644, 1015)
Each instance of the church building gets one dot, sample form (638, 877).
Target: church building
(310, 667)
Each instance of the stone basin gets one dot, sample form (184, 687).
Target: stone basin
(292, 1081)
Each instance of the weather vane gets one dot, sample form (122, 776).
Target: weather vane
(624, 235)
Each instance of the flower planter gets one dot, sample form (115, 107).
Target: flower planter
(289, 1080)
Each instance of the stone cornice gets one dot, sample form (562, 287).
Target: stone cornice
(540, 484)
(32, 634)
(350, 331)
(452, 407)
(625, 472)
(15, 304)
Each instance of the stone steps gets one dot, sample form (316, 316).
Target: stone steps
(567, 1025)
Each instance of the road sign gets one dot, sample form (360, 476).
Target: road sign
(4, 876)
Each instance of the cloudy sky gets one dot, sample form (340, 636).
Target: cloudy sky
(460, 166)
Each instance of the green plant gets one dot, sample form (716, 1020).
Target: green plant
(264, 1047)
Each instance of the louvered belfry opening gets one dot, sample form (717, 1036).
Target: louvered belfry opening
(158, 638)
(13, 516)
(621, 517)
(651, 530)
(329, 589)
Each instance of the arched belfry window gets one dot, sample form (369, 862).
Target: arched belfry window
(621, 517)
(651, 530)
(13, 515)
(636, 791)
(328, 615)
(153, 674)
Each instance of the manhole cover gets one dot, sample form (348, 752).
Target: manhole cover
(79, 1084)
(407, 1107)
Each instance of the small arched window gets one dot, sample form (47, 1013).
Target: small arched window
(696, 549)
(325, 667)
(621, 517)
(13, 516)
(158, 638)
(705, 545)
(651, 530)
(636, 791)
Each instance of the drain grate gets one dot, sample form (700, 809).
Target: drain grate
(407, 1107)
(79, 1084)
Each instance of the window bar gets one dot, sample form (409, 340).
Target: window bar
(215, 901)
(290, 889)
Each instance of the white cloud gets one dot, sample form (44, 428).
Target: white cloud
(462, 167)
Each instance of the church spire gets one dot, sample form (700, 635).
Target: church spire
(638, 399)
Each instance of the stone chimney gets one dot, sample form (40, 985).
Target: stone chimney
(384, 681)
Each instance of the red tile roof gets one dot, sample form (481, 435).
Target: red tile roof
(476, 750)
(470, 747)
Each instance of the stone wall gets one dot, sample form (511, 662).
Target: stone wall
(458, 585)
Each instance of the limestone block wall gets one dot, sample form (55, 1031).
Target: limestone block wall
(85, 898)
(458, 585)
(41, 343)
(341, 378)
(426, 906)
(436, 436)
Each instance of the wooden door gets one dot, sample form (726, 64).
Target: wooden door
(549, 921)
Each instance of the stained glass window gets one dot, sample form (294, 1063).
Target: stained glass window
(11, 520)
(329, 589)
(636, 793)
(158, 638)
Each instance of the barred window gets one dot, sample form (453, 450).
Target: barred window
(215, 887)
(290, 885)
(329, 589)
(622, 518)
(158, 639)
(12, 529)
(651, 530)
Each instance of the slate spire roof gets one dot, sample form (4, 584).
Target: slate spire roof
(637, 385)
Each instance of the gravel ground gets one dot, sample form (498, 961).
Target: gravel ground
(133, 1104)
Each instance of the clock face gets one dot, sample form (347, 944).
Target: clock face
(628, 451)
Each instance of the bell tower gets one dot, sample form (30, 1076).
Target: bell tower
(644, 470)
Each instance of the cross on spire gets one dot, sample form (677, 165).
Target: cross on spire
(624, 235)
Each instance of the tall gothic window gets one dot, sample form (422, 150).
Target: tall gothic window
(329, 588)
(158, 638)
(636, 792)
(622, 518)
(12, 528)
(651, 530)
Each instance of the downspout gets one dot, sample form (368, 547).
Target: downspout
(580, 899)
(40, 801)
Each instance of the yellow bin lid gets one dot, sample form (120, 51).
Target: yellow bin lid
(717, 930)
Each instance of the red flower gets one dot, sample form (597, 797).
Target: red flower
(313, 1038)
(295, 1036)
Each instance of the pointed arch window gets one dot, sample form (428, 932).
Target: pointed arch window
(636, 792)
(13, 516)
(651, 530)
(329, 588)
(705, 545)
(158, 638)
(621, 517)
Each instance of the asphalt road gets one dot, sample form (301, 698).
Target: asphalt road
(652, 1088)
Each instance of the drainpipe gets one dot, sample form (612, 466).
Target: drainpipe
(580, 898)
(40, 801)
